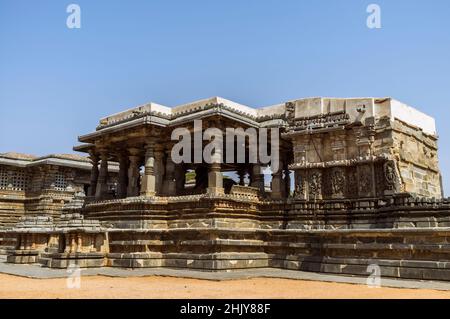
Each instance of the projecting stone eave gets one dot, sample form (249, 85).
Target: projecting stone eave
(179, 118)
(269, 116)
(145, 120)
(83, 148)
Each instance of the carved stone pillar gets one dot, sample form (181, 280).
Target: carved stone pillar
(123, 176)
(169, 178)
(94, 175)
(22, 240)
(180, 179)
(67, 243)
(102, 183)
(148, 186)
(215, 179)
(241, 173)
(159, 169)
(257, 178)
(133, 173)
(79, 242)
(73, 244)
(287, 182)
(277, 183)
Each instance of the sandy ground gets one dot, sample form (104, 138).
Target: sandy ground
(169, 287)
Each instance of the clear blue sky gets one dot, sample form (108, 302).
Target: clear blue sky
(55, 82)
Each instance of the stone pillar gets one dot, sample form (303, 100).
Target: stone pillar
(133, 173)
(22, 240)
(79, 242)
(148, 186)
(94, 175)
(257, 178)
(159, 169)
(102, 183)
(123, 176)
(277, 184)
(287, 182)
(67, 243)
(215, 179)
(241, 173)
(180, 179)
(73, 244)
(169, 181)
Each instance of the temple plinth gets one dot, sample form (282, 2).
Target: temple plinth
(350, 182)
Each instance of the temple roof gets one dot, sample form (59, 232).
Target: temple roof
(26, 160)
(274, 115)
(29, 157)
(19, 156)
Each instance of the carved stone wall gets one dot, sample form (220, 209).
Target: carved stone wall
(39, 190)
(382, 156)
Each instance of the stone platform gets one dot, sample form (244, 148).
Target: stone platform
(231, 233)
(38, 272)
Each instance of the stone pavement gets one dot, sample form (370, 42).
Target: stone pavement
(37, 272)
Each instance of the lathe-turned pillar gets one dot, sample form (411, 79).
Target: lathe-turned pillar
(94, 175)
(215, 178)
(257, 178)
(148, 186)
(133, 173)
(123, 176)
(169, 185)
(102, 183)
(159, 169)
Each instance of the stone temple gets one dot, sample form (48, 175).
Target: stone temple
(358, 184)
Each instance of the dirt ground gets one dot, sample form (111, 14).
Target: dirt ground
(169, 287)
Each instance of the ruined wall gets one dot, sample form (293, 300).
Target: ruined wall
(361, 148)
(416, 153)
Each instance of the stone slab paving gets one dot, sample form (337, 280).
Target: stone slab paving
(37, 272)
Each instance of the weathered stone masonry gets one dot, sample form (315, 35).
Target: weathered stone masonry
(359, 184)
(33, 186)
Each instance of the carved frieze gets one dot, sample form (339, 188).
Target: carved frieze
(391, 176)
(290, 112)
(300, 187)
(365, 179)
(338, 179)
(315, 184)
